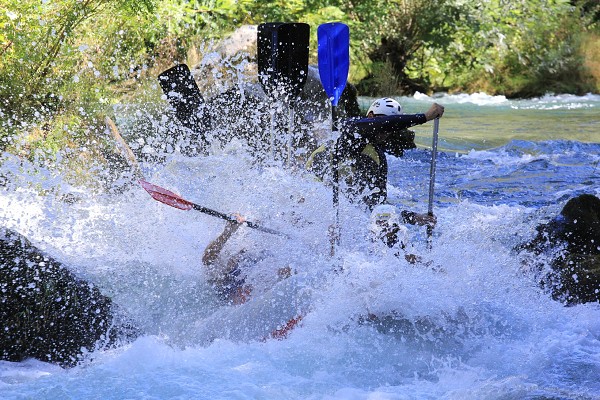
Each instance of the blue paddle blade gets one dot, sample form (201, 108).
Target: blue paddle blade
(334, 58)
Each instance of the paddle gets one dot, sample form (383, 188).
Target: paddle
(182, 92)
(169, 198)
(165, 196)
(436, 126)
(334, 63)
(124, 149)
(334, 58)
(282, 54)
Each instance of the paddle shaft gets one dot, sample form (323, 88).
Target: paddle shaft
(336, 161)
(226, 217)
(171, 199)
(334, 62)
(336, 183)
(436, 127)
(124, 149)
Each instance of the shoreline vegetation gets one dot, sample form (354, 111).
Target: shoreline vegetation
(64, 64)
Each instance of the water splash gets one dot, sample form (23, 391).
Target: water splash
(470, 324)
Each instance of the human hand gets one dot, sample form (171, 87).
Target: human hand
(412, 258)
(284, 272)
(435, 111)
(425, 219)
(235, 221)
(239, 218)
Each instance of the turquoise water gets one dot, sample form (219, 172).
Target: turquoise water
(484, 122)
(503, 167)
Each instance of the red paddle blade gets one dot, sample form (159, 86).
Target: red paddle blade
(166, 196)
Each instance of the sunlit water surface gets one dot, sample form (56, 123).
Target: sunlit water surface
(503, 167)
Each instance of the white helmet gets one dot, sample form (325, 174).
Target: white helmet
(385, 106)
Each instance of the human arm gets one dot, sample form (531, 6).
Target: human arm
(371, 128)
(212, 251)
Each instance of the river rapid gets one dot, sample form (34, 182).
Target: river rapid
(479, 326)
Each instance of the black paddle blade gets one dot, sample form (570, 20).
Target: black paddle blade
(182, 92)
(283, 57)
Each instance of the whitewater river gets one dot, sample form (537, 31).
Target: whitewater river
(485, 328)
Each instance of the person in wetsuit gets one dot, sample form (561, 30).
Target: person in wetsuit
(227, 273)
(362, 147)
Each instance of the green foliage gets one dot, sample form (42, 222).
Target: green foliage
(545, 57)
(53, 58)
(518, 48)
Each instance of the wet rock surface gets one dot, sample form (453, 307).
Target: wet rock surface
(566, 252)
(48, 313)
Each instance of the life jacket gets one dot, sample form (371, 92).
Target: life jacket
(362, 162)
(362, 169)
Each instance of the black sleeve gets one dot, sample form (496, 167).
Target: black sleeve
(408, 217)
(398, 142)
(369, 127)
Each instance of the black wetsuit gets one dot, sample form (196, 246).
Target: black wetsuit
(362, 161)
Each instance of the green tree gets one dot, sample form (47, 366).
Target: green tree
(518, 48)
